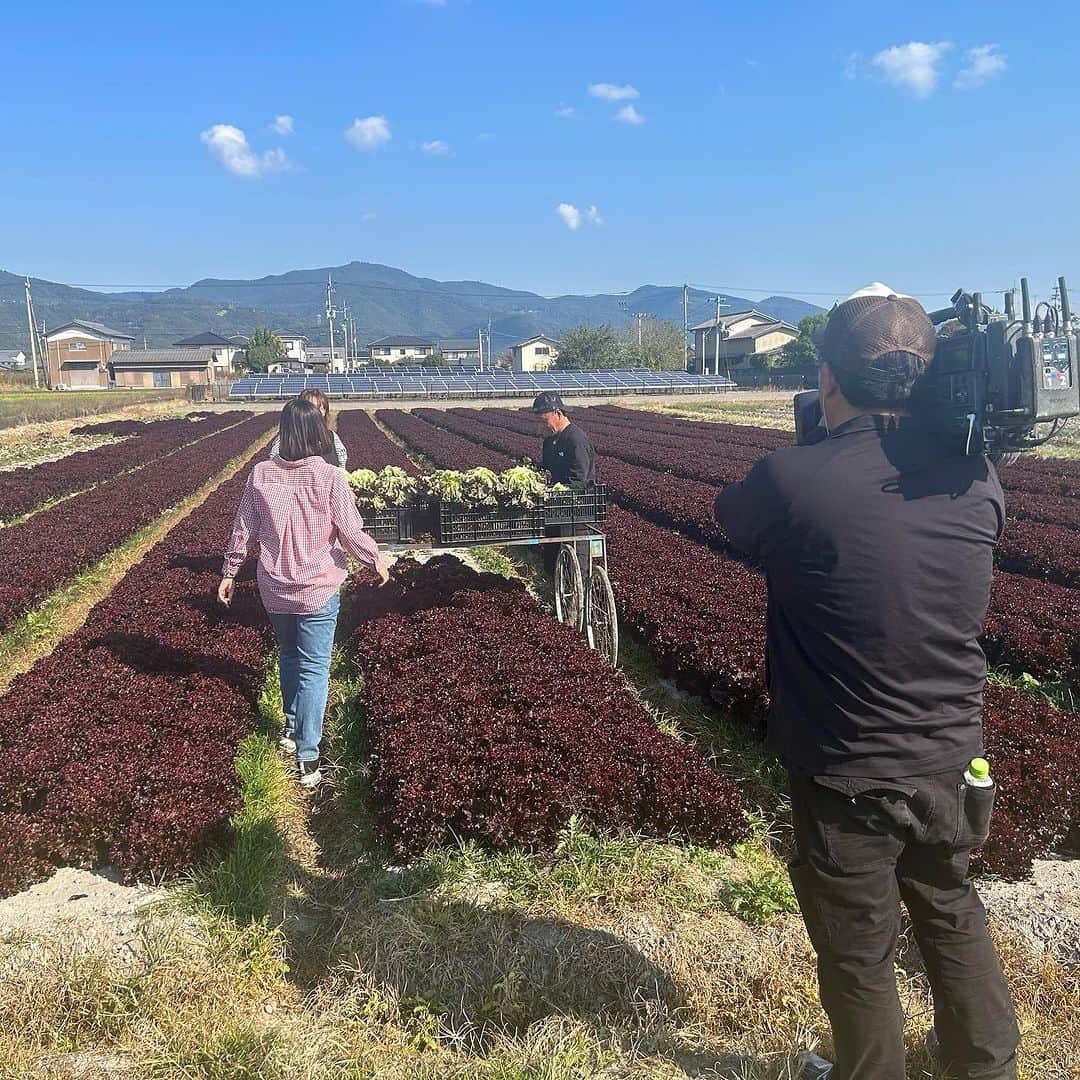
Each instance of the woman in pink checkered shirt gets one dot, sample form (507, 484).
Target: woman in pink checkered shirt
(302, 512)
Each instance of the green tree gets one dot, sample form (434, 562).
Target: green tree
(589, 348)
(802, 352)
(432, 359)
(264, 347)
(662, 346)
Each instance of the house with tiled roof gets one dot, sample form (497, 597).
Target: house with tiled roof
(79, 351)
(744, 338)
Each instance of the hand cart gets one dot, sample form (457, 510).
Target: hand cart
(582, 558)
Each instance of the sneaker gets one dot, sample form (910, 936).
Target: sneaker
(287, 744)
(809, 1066)
(309, 774)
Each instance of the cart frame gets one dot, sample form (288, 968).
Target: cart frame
(582, 558)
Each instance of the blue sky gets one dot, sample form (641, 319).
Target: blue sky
(770, 147)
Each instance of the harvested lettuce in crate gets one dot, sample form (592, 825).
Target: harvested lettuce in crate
(480, 487)
(443, 484)
(522, 487)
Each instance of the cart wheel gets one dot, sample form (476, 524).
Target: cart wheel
(602, 625)
(569, 590)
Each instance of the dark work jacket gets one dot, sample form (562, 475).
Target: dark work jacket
(570, 458)
(878, 548)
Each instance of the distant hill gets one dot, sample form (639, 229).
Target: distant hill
(381, 299)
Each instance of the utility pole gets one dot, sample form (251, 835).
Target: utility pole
(33, 333)
(480, 345)
(330, 313)
(721, 301)
(490, 364)
(345, 328)
(686, 326)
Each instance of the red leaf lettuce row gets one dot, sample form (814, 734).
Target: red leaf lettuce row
(118, 747)
(54, 546)
(24, 488)
(489, 720)
(369, 447)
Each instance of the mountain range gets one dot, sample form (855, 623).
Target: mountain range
(381, 300)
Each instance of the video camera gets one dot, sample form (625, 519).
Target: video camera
(992, 381)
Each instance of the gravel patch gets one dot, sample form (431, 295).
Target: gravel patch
(1044, 910)
(97, 907)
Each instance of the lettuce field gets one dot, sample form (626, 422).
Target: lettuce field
(483, 719)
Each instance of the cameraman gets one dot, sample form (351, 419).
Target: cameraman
(878, 546)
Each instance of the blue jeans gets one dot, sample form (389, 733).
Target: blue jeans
(304, 646)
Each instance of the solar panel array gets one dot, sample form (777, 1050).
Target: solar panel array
(430, 382)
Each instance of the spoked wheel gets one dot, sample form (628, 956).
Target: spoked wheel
(569, 589)
(602, 625)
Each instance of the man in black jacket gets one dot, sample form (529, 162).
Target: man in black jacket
(568, 455)
(878, 542)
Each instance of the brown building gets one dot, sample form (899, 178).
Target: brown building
(163, 368)
(79, 353)
(744, 337)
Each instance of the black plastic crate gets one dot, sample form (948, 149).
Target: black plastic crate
(456, 525)
(576, 507)
(389, 526)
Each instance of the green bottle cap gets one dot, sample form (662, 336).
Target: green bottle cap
(979, 768)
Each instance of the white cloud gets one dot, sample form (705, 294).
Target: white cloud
(606, 91)
(368, 215)
(368, 133)
(853, 66)
(629, 115)
(564, 112)
(570, 214)
(485, 136)
(983, 63)
(573, 218)
(913, 66)
(437, 147)
(282, 125)
(230, 146)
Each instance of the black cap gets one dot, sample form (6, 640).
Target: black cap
(547, 402)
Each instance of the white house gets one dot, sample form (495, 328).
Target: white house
(12, 360)
(537, 353)
(399, 349)
(743, 336)
(295, 345)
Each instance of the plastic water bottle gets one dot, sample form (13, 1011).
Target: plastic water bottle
(977, 773)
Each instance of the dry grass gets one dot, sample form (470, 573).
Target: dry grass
(20, 408)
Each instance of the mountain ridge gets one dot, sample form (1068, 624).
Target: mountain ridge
(382, 300)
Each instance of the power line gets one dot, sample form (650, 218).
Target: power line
(710, 290)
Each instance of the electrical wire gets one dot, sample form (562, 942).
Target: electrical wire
(506, 294)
